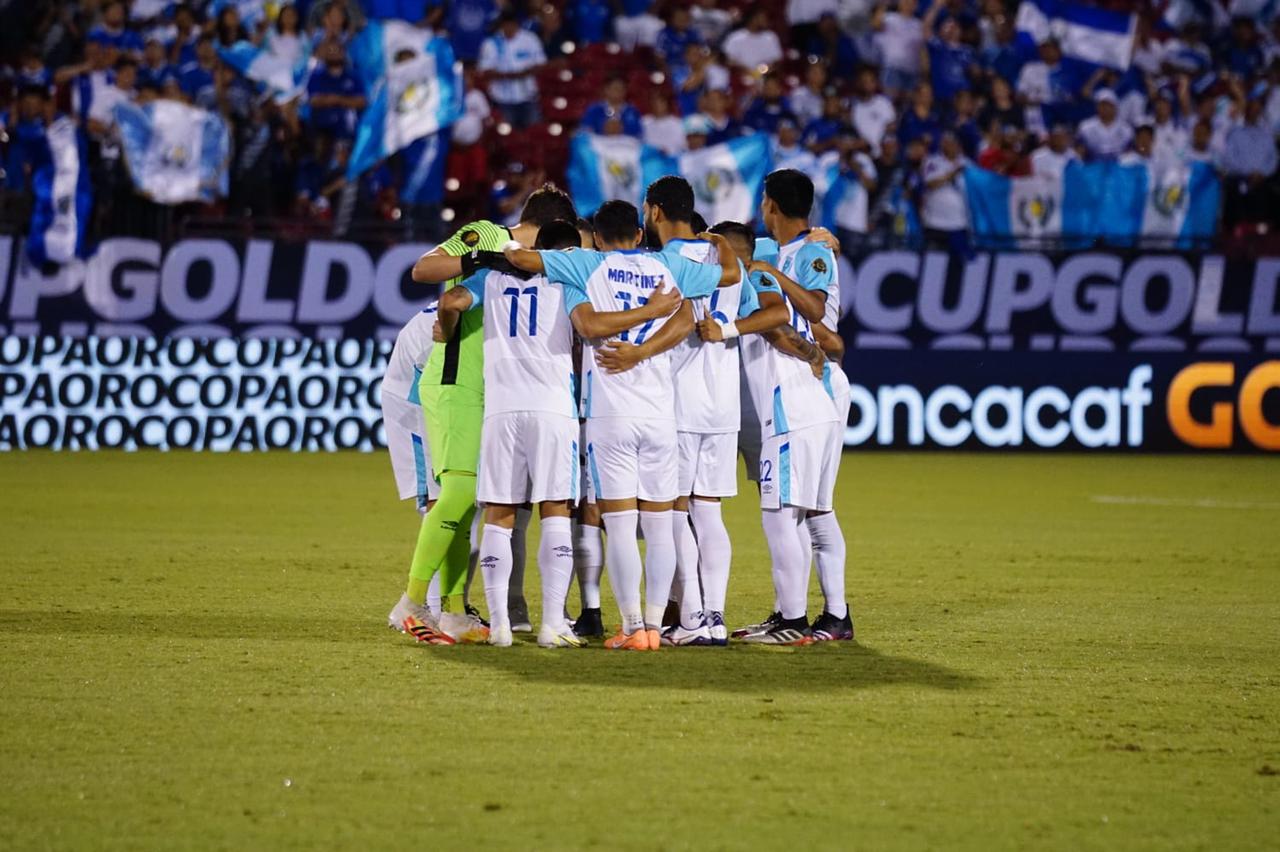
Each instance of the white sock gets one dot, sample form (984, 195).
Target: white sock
(519, 554)
(588, 562)
(495, 568)
(625, 569)
(787, 556)
(477, 523)
(806, 547)
(829, 552)
(659, 565)
(555, 565)
(686, 586)
(715, 552)
(433, 594)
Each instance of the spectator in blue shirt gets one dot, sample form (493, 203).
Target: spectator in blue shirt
(468, 23)
(676, 36)
(613, 116)
(590, 20)
(1242, 51)
(32, 70)
(964, 123)
(765, 111)
(196, 79)
(334, 93)
(112, 31)
(182, 49)
(821, 134)
(723, 126)
(26, 129)
(834, 46)
(155, 72)
(951, 62)
(920, 121)
(1004, 59)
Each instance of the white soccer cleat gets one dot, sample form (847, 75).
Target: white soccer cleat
(559, 636)
(464, 629)
(679, 635)
(405, 608)
(500, 635)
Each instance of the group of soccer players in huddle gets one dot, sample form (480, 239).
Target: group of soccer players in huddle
(570, 367)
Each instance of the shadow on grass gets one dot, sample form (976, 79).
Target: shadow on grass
(829, 667)
(179, 625)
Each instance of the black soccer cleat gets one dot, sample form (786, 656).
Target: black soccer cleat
(787, 631)
(828, 628)
(589, 625)
(475, 613)
(761, 627)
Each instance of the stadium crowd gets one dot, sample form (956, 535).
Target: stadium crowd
(905, 93)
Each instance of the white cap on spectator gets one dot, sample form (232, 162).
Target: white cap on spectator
(1104, 95)
(696, 125)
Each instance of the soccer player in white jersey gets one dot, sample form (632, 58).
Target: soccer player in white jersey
(402, 412)
(707, 422)
(631, 434)
(798, 462)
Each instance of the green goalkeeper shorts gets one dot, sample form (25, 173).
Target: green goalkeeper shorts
(454, 416)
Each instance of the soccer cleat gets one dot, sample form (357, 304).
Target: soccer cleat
(425, 632)
(793, 631)
(679, 635)
(752, 629)
(474, 613)
(637, 641)
(466, 629)
(402, 610)
(828, 628)
(655, 639)
(500, 636)
(518, 611)
(559, 636)
(716, 629)
(590, 624)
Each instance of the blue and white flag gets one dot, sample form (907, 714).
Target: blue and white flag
(286, 79)
(251, 11)
(1004, 211)
(422, 170)
(176, 153)
(63, 196)
(612, 168)
(728, 179)
(411, 98)
(1086, 34)
(1169, 202)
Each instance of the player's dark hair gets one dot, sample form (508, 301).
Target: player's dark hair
(547, 204)
(672, 195)
(616, 222)
(791, 191)
(584, 224)
(735, 231)
(557, 235)
(697, 223)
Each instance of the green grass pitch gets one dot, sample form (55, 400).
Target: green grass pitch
(1057, 652)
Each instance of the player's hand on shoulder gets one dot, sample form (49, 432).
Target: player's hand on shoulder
(664, 300)
(709, 330)
(614, 356)
(494, 260)
(437, 333)
(825, 237)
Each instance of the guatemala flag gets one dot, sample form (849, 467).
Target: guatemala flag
(609, 168)
(1174, 202)
(1006, 210)
(176, 153)
(1086, 34)
(422, 170)
(63, 196)
(728, 179)
(285, 80)
(416, 95)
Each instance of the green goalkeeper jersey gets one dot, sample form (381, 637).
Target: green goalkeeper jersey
(460, 362)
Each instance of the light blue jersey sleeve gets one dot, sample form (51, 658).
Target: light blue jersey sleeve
(766, 249)
(571, 266)
(573, 296)
(764, 283)
(815, 267)
(475, 286)
(694, 279)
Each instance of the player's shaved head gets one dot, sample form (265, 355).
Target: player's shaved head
(558, 235)
(791, 193)
(617, 223)
(673, 195)
(547, 204)
(739, 236)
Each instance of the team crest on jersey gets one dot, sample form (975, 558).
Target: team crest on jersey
(819, 266)
(714, 185)
(1034, 212)
(471, 239)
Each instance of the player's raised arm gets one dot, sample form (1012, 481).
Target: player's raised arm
(731, 271)
(445, 261)
(618, 357)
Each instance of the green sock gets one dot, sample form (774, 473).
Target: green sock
(448, 520)
(454, 571)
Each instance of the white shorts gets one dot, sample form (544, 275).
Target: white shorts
(633, 459)
(410, 452)
(586, 491)
(799, 468)
(749, 434)
(840, 389)
(708, 463)
(527, 457)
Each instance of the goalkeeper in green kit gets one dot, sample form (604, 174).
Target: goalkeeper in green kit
(452, 393)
